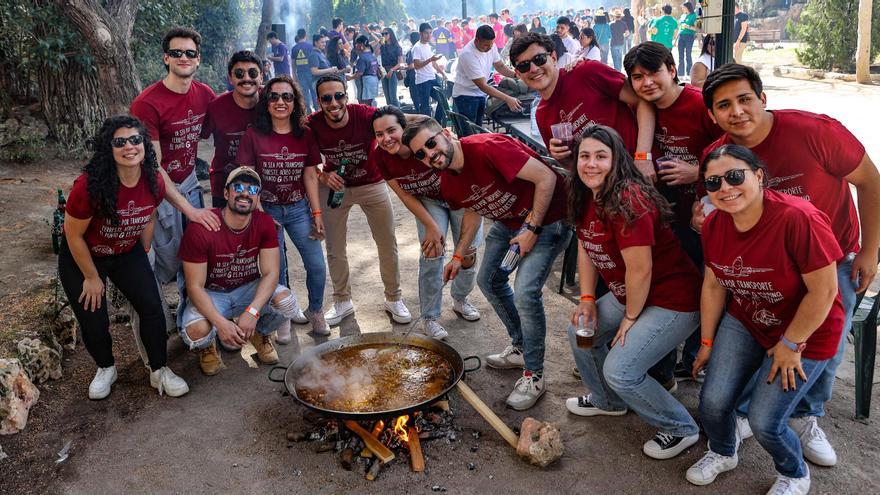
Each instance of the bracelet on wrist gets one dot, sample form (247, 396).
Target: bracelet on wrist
(706, 342)
(316, 213)
(628, 317)
(587, 298)
(457, 257)
(253, 311)
(642, 155)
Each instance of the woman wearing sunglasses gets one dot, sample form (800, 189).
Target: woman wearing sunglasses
(782, 323)
(278, 147)
(108, 227)
(418, 187)
(623, 225)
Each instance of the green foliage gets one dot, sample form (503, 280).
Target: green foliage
(363, 11)
(828, 30)
(23, 150)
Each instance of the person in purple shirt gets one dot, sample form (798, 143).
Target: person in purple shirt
(280, 55)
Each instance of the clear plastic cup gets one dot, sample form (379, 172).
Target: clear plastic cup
(708, 207)
(664, 161)
(584, 333)
(564, 132)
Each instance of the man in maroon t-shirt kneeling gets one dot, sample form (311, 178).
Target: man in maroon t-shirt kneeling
(500, 178)
(233, 273)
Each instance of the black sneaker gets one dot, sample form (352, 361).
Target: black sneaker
(683, 374)
(666, 446)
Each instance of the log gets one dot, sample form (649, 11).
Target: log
(374, 470)
(377, 429)
(375, 446)
(471, 397)
(443, 405)
(346, 459)
(417, 460)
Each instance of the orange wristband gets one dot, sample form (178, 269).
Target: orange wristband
(707, 342)
(642, 155)
(316, 213)
(587, 298)
(457, 257)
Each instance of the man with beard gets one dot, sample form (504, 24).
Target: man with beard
(173, 111)
(233, 274)
(500, 178)
(229, 116)
(344, 131)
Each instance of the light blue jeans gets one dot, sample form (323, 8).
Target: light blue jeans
(231, 304)
(431, 269)
(521, 307)
(617, 54)
(296, 219)
(618, 378)
(389, 88)
(736, 358)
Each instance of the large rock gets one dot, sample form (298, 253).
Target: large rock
(17, 395)
(540, 443)
(42, 362)
(65, 329)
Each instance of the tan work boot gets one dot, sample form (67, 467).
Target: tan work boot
(265, 350)
(209, 360)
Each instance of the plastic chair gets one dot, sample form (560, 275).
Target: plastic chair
(864, 335)
(460, 124)
(442, 112)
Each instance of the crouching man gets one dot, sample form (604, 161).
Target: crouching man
(233, 274)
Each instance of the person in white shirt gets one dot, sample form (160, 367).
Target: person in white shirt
(475, 63)
(589, 45)
(563, 29)
(427, 69)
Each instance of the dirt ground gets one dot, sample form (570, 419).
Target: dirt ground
(228, 434)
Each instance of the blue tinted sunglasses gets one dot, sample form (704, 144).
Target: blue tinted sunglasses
(239, 188)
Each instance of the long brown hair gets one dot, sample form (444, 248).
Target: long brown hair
(263, 121)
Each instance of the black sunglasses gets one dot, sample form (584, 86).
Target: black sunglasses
(175, 53)
(120, 141)
(273, 96)
(252, 73)
(431, 143)
(734, 177)
(539, 60)
(339, 95)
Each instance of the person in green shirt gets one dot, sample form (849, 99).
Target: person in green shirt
(664, 28)
(688, 30)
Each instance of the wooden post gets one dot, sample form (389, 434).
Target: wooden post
(417, 460)
(471, 397)
(863, 47)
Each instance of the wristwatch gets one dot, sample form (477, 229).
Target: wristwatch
(793, 346)
(536, 229)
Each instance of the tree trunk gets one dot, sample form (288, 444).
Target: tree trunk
(863, 47)
(265, 27)
(71, 102)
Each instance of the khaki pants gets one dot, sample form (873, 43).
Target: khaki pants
(738, 51)
(376, 205)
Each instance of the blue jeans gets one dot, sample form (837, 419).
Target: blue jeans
(521, 307)
(421, 94)
(617, 56)
(603, 52)
(197, 200)
(431, 269)
(618, 378)
(296, 219)
(472, 107)
(685, 53)
(813, 403)
(735, 359)
(389, 87)
(310, 98)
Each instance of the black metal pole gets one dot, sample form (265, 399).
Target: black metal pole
(494, 10)
(463, 9)
(724, 43)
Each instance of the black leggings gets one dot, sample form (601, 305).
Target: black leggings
(132, 274)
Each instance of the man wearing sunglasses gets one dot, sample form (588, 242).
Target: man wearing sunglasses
(229, 116)
(589, 93)
(499, 178)
(233, 274)
(280, 56)
(815, 157)
(344, 130)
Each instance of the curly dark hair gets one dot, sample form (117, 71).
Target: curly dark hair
(622, 177)
(263, 121)
(102, 179)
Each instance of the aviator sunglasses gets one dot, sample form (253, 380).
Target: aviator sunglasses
(120, 141)
(733, 177)
(252, 73)
(287, 97)
(539, 60)
(239, 188)
(175, 53)
(430, 144)
(339, 96)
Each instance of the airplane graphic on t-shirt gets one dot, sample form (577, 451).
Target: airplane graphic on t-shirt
(617, 288)
(665, 138)
(766, 318)
(284, 154)
(102, 249)
(346, 150)
(174, 165)
(132, 209)
(478, 192)
(737, 270)
(190, 119)
(590, 232)
(240, 252)
(567, 116)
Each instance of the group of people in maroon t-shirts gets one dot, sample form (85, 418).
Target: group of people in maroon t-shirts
(730, 231)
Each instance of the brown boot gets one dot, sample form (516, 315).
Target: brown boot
(265, 350)
(209, 360)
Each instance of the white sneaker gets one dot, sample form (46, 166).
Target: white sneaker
(743, 432)
(583, 406)
(282, 334)
(166, 382)
(509, 358)
(790, 486)
(526, 392)
(319, 324)
(814, 443)
(666, 446)
(102, 383)
(398, 311)
(709, 467)
(433, 329)
(339, 311)
(299, 318)
(465, 309)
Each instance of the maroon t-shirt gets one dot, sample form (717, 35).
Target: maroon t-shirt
(683, 130)
(808, 155)
(488, 184)
(355, 141)
(675, 281)
(280, 160)
(766, 283)
(135, 206)
(226, 121)
(232, 256)
(588, 94)
(175, 120)
(413, 176)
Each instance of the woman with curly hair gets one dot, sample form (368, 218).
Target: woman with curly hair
(108, 227)
(652, 306)
(279, 147)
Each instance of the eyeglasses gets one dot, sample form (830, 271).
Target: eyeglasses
(134, 140)
(339, 96)
(239, 188)
(733, 177)
(386, 34)
(288, 97)
(175, 53)
(539, 60)
(430, 144)
(252, 73)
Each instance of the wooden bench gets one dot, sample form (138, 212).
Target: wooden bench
(765, 35)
